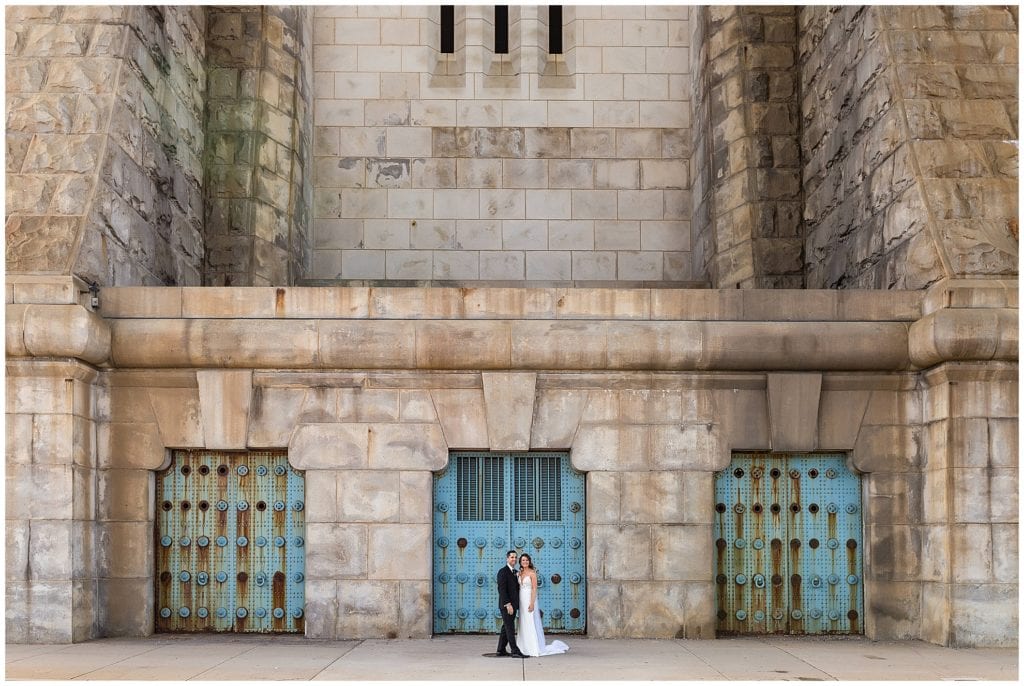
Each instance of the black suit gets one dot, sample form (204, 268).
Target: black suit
(508, 593)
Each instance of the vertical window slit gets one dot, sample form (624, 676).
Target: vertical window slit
(501, 29)
(555, 29)
(448, 29)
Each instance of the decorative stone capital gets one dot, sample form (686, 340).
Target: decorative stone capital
(57, 331)
(964, 334)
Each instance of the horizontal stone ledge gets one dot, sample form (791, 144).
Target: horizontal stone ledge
(509, 345)
(56, 331)
(358, 302)
(948, 335)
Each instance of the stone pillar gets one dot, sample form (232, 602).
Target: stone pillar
(104, 140)
(747, 224)
(50, 477)
(259, 135)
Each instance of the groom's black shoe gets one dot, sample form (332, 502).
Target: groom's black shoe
(520, 655)
(501, 654)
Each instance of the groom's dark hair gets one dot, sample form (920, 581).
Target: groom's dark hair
(511, 552)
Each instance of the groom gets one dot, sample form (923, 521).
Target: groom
(508, 599)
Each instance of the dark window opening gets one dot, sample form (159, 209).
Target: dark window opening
(481, 489)
(501, 29)
(555, 29)
(448, 29)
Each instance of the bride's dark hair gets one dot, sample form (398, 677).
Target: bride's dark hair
(528, 557)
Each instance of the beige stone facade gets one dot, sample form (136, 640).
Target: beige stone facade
(501, 254)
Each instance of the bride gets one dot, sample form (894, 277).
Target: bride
(530, 637)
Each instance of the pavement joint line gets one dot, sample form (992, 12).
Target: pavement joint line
(800, 659)
(227, 659)
(720, 673)
(110, 664)
(328, 665)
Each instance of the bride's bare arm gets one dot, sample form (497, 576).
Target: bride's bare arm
(533, 591)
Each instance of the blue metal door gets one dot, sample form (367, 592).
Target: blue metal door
(230, 550)
(788, 548)
(488, 503)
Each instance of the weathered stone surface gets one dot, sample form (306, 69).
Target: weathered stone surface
(509, 400)
(274, 413)
(358, 345)
(124, 549)
(894, 611)
(124, 495)
(224, 398)
(660, 609)
(887, 448)
(130, 446)
(368, 609)
(983, 615)
(399, 551)
(557, 419)
(687, 446)
(462, 416)
(610, 447)
(793, 411)
(415, 497)
(321, 495)
(407, 446)
(329, 446)
(177, 412)
(335, 551)
(680, 553)
(840, 414)
(414, 620)
(369, 496)
(619, 552)
(321, 608)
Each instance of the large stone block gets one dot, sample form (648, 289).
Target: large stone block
(619, 552)
(971, 556)
(126, 495)
(224, 398)
(18, 438)
(688, 447)
(399, 551)
(682, 553)
(604, 609)
(611, 447)
(125, 549)
(414, 609)
(509, 400)
(52, 439)
(888, 448)
(840, 414)
(16, 563)
(368, 609)
(984, 615)
(893, 611)
(652, 497)
(462, 345)
(668, 610)
(416, 496)
(793, 411)
(125, 606)
(604, 491)
(335, 551)
(16, 611)
(50, 614)
(322, 495)
(321, 608)
(329, 446)
(369, 496)
(935, 612)
(462, 416)
(557, 419)
(273, 415)
(178, 416)
(407, 446)
(1005, 553)
(895, 552)
(935, 553)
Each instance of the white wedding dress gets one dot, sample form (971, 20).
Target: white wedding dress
(530, 637)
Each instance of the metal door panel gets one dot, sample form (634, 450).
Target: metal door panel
(788, 545)
(470, 546)
(230, 543)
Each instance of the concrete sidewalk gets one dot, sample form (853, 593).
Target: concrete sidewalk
(459, 658)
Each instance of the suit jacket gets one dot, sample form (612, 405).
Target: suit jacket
(508, 587)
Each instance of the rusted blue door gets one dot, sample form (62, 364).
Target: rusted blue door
(488, 503)
(230, 548)
(788, 554)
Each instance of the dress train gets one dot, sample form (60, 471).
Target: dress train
(530, 636)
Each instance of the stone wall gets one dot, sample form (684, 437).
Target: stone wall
(502, 172)
(909, 144)
(104, 143)
(747, 224)
(259, 146)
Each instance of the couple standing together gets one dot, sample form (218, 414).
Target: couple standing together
(517, 591)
